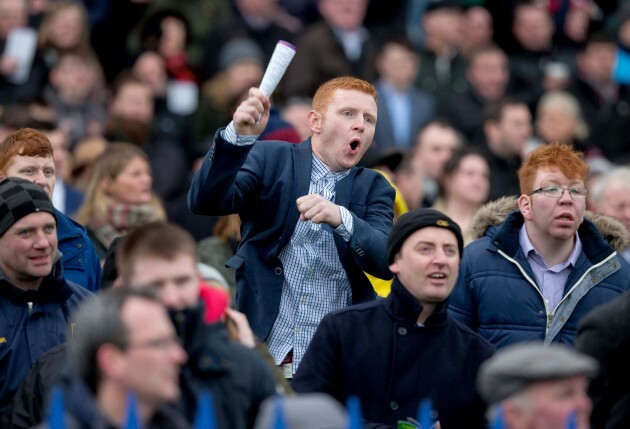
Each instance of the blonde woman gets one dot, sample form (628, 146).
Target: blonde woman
(119, 196)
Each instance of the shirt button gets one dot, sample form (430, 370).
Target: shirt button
(278, 271)
(80, 261)
(393, 405)
(402, 330)
(79, 245)
(541, 312)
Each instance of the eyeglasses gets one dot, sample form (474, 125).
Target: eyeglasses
(558, 192)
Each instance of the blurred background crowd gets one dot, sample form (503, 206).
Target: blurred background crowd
(466, 88)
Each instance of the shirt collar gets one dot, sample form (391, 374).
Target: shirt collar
(389, 89)
(528, 247)
(320, 171)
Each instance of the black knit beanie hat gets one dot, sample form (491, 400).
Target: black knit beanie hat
(415, 220)
(19, 198)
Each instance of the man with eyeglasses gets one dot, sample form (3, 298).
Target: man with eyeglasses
(124, 343)
(538, 270)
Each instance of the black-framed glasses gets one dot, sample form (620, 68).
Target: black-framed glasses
(558, 192)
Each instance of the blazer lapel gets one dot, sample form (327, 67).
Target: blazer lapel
(302, 170)
(343, 189)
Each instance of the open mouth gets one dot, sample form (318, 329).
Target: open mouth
(40, 259)
(354, 146)
(437, 276)
(565, 217)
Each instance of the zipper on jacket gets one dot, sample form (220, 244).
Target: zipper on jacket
(586, 273)
(30, 308)
(551, 315)
(535, 286)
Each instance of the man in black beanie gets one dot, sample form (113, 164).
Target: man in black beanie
(393, 353)
(35, 299)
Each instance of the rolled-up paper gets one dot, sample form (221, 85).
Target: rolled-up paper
(282, 56)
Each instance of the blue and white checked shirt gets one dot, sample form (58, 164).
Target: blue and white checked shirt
(315, 281)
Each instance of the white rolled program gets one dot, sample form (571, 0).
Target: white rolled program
(280, 60)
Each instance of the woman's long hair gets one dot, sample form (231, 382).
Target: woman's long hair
(108, 166)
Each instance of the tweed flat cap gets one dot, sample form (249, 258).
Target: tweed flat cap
(18, 198)
(513, 368)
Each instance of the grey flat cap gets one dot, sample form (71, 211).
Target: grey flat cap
(304, 411)
(513, 368)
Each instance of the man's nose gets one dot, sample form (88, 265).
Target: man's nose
(41, 241)
(566, 196)
(179, 354)
(440, 257)
(40, 179)
(169, 297)
(359, 125)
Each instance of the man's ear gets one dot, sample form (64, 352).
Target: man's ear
(490, 130)
(525, 206)
(394, 268)
(514, 413)
(315, 121)
(110, 360)
(118, 282)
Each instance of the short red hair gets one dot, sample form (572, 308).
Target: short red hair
(558, 156)
(324, 94)
(24, 142)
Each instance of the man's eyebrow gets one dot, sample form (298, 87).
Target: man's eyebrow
(430, 243)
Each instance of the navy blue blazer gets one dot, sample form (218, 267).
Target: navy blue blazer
(261, 182)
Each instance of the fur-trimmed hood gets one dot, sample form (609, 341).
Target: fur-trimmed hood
(495, 212)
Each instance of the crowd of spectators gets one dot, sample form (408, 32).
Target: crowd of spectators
(165, 76)
(116, 108)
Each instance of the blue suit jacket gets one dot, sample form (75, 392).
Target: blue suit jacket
(261, 182)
